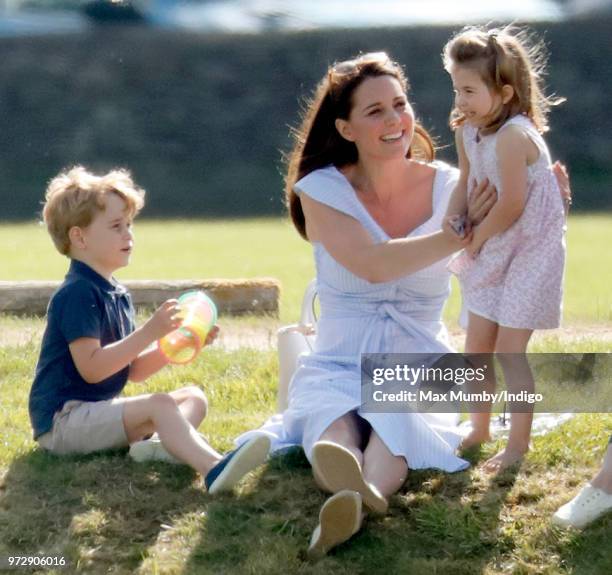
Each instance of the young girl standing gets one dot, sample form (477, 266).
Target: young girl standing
(511, 273)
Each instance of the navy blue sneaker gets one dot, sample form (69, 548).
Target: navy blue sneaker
(236, 464)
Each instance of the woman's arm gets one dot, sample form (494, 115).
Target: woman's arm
(350, 245)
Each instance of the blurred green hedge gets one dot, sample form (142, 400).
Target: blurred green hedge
(202, 120)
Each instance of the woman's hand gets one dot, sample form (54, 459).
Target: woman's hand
(458, 230)
(481, 199)
(560, 172)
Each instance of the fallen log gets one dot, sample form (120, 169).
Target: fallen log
(259, 296)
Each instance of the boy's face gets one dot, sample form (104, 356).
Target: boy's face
(106, 244)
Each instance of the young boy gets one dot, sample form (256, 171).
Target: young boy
(91, 347)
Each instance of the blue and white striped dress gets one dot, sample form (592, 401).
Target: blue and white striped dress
(400, 316)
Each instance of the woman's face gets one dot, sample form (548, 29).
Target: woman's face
(381, 121)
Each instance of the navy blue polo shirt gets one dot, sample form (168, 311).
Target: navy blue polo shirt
(85, 305)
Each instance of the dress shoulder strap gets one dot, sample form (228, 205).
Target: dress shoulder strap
(530, 129)
(329, 186)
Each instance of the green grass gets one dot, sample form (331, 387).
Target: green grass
(270, 247)
(192, 249)
(107, 514)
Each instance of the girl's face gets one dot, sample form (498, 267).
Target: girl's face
(381, 122)
(473, 98)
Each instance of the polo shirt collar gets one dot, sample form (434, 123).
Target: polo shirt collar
(82, 270)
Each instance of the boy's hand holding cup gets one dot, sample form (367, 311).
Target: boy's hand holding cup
(164, 320)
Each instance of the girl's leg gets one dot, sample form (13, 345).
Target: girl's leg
(387, 472)
(480, 340)
(159, 412)
(511, 347)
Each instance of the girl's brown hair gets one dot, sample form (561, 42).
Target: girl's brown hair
(317, 141)
(506, 56)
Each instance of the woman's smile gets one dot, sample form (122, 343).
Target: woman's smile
(395, 137)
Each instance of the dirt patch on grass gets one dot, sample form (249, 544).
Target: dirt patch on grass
(260, 333)
(18, 336)
(255, 333)
(574, 337)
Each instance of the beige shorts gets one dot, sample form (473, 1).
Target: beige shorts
(86, 426)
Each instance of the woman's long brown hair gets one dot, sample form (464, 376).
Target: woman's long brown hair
(317, 141)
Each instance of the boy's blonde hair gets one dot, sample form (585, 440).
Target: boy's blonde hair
(505, 56)
(75, 196)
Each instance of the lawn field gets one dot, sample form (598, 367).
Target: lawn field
(270, 247)
(105, 513)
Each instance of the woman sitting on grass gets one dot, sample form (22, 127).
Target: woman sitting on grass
(363, 188)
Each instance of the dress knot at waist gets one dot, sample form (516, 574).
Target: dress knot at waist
(401, 311)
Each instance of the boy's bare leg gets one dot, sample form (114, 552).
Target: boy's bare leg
(192, 403)
(512, 346)
(159, 412)
(480, 339)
